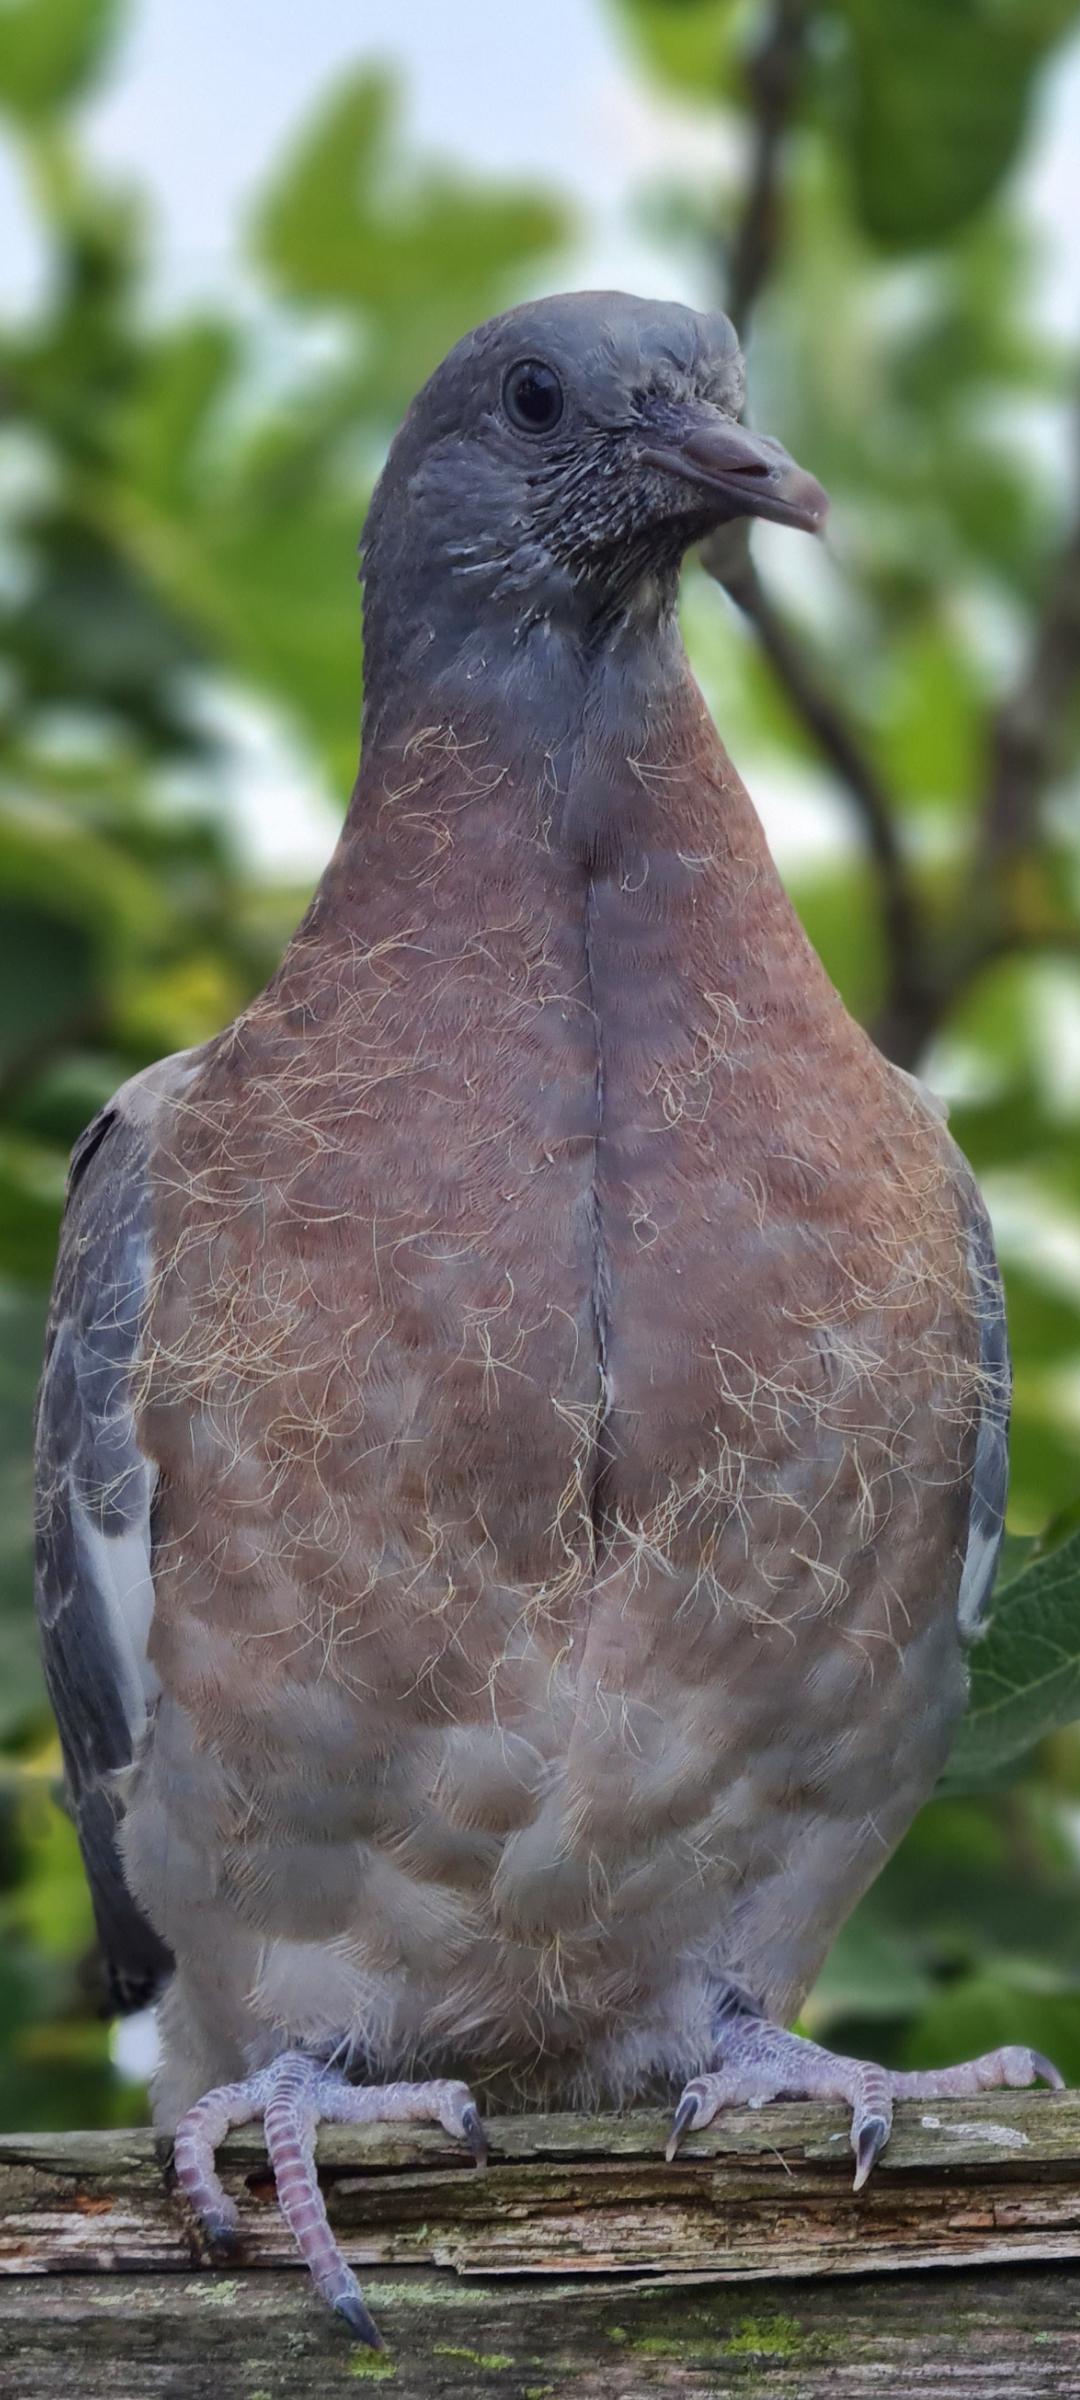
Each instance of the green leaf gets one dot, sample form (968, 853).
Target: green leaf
(31, 1199)
(939, 104)
(50, 50)
(686, 42)
(48, 974)
(184, 378)
(1042, 1448)
(841, 919)
(982, 2012)
(345, 226)
(22, 1325)
(1025, 1679)
(868, 1973)
(94, 631)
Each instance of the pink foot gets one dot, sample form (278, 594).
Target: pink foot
(293, 2097)
(758, 2062)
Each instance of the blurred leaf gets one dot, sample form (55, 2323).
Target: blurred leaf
(22, 1318)
(979, 1880)
(50, 49)
(306, 650)
(869, 1973)
(71, 902)
(1044, 1322)
(685, 41)
(1042, 1451)
(187, 373)
(31, 1197)
(345, 226)
(1025, 1677)
(95, 631)
(984, 2012)
(929, 723)
(838, 912)
(47, 979)
(939, 105)
(54, 1910)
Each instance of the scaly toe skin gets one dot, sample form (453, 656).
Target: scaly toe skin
(703, 2098)
(1022, 2067)
(757, 2062)
(293, 2096)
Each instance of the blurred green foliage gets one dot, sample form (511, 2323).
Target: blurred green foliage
(182, 502)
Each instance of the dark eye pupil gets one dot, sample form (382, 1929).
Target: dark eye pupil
(532, 396)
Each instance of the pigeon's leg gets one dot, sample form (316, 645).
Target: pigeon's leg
(294, 2097)
(757, 2061)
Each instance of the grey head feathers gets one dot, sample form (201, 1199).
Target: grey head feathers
(565, 498)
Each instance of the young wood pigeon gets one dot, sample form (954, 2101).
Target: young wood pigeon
(522, 1447)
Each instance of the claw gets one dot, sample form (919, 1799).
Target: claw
(358, 2319)
(473, 2133)
(221, 2231)
(685, 2118)
(293, 2095)
(1046, 2069)
(868, 2141)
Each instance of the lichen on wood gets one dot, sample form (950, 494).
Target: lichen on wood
(578, 2261)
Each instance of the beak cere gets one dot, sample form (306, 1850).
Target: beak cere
(748, 474)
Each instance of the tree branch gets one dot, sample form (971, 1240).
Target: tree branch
(909, 998)
(1026, 734)
(772, 75)
(773, 78)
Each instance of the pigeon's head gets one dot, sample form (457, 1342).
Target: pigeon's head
(562, 459)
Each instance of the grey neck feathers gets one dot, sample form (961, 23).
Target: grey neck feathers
(537, 671)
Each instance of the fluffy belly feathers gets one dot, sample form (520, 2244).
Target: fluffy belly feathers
(536, 1361)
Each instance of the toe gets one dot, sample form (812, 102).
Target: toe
(453, 2107)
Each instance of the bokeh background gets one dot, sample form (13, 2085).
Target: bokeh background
(232, 241)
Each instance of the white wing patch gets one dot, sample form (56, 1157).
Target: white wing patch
(94, 1587)
(119, 1564)
(990, 1472)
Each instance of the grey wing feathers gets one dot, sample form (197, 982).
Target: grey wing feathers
(990, 1466)
(93, 1494)
(990, 1470)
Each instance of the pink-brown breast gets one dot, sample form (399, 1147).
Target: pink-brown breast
(562, 1377)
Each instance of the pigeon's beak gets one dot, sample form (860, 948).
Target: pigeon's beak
(748, 474)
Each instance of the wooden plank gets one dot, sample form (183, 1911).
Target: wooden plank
(763, 2193)
(994, 2335)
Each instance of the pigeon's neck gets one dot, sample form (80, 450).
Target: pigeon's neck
(545, 767)
(495, 833)
(536, 684)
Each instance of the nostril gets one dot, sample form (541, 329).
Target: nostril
(717, 455)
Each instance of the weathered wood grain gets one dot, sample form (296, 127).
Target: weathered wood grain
(579, 2262)
(995, 2335)
(763, 2192)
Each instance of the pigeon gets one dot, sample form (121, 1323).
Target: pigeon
(522, 1445)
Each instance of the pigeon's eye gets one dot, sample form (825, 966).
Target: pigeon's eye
(533, 396)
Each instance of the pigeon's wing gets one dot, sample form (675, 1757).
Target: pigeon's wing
(990, 1466)
(990, 1469)
(93, 1497)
